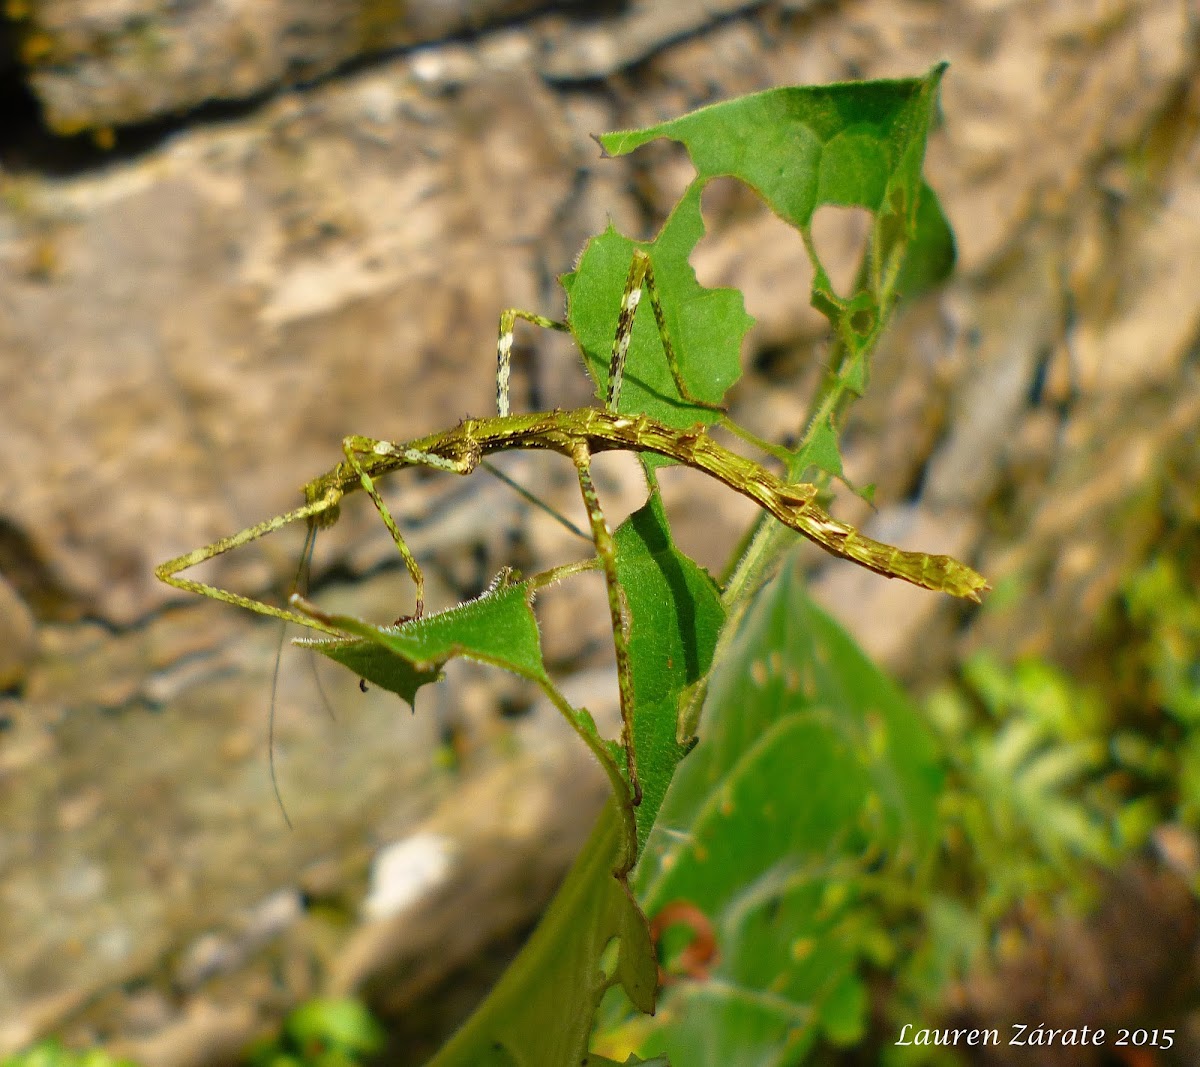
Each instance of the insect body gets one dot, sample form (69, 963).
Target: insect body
(571, 432)
(578, 434)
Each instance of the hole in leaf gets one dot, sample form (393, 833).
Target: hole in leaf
(661, 172)
(840, 235)
(746, 246)
(862, 322)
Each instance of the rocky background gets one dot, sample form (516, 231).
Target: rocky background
(232, 233)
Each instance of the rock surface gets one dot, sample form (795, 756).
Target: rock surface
(102, 64)
(190, 331)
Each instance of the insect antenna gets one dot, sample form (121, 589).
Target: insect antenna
(270, 731)
(299, 585)
(534, 499)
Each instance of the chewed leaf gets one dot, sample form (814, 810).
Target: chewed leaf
(706, 326)
(858, 144)
(800, 147)
(375, 664)
(497, 628)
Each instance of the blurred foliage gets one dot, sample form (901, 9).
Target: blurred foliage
(1051, 780)
(1042, 781)
(1027, 751)
(54, 1054)
(321, 1033)
(1159, 673)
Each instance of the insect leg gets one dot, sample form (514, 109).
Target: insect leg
(314, 512)
(356, 446)
(641, 272)
(618, 609)
(668, 347)
(353, 447)
(630, 299)
(531, 499)
(508, 320)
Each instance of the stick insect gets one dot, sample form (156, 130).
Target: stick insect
(579, 435)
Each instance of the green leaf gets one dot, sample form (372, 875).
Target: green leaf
(800, 147)
(820, 450)
(542, 1009)
(813, 785)
(929, 259)
(675, 617)
(372, 663)
(855, 144)
(706, 325)
(496, 628)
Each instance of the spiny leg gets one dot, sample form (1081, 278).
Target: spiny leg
(352, 446)
(319, 512)
(355, 446)
(641, 272)
(508, 320)
(606, 549)
(314, 512)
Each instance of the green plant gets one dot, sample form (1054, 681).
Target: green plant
(1027, 801)
(814, 784)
